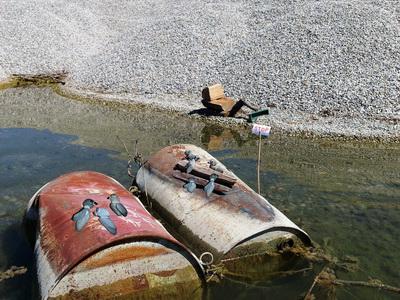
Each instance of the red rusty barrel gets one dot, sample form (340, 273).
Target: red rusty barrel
(233, 222)
(140, 259)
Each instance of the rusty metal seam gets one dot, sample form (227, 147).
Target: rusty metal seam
(303, 236)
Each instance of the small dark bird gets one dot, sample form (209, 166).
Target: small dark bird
(189, 155)
(104, 218)
(215, 166)
(190, 186)
(82, 216)
(209, 188)
(116, 206)
(190, 165)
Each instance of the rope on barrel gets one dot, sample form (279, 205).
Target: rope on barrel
(137, 159)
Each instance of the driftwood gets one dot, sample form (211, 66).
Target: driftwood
(373, 283)
(12, 272)
(309, 294)
(327, 279)
(39, 79)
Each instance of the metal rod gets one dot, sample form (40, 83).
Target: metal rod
(251, 107)
(258, 163)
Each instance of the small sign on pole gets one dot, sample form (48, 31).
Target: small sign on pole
(260, 130)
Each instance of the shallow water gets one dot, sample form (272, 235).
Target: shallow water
(345, 195)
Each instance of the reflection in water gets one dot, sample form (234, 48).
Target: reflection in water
(215, 137)
(29, 158)
(345, 195)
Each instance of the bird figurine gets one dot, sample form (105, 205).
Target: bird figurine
(190, 186)
(116, 206)
(104, 218)
(190, 165)
(189, 155)
(215, 166)
(209, 188)
(82, 216)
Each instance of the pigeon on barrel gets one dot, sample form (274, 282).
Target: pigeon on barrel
(216, 166)
(190, 186)
(189, 155)
(116, 206)
(209, 188)
(82, 216)
(104, 218)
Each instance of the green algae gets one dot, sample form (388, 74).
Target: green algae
(37, 80)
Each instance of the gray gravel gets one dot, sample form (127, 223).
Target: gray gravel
(335, 62)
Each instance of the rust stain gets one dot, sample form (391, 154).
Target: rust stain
(137, 287)
(205, 173)
(121, 288)
(165, 273)
(241, 198)
(62, 245)
(124, 254)
(84, 182)
(178, 147)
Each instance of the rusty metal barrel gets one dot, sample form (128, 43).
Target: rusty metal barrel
(139, 259)
(233, 222)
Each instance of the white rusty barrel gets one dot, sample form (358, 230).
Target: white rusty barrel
(140, 260)
(234, 221)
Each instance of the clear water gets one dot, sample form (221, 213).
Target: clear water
(28, 159)
(345, 195)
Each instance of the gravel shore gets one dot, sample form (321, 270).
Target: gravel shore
(326, 67)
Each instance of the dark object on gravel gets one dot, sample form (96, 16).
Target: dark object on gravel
(215, 99)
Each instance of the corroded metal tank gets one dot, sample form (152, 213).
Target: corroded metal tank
(140, 260)
(233, 222)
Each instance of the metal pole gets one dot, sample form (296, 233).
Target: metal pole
(258, 163)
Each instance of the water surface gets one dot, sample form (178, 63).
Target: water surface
(345, 195)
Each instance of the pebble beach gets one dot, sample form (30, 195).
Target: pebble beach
(323, 67)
